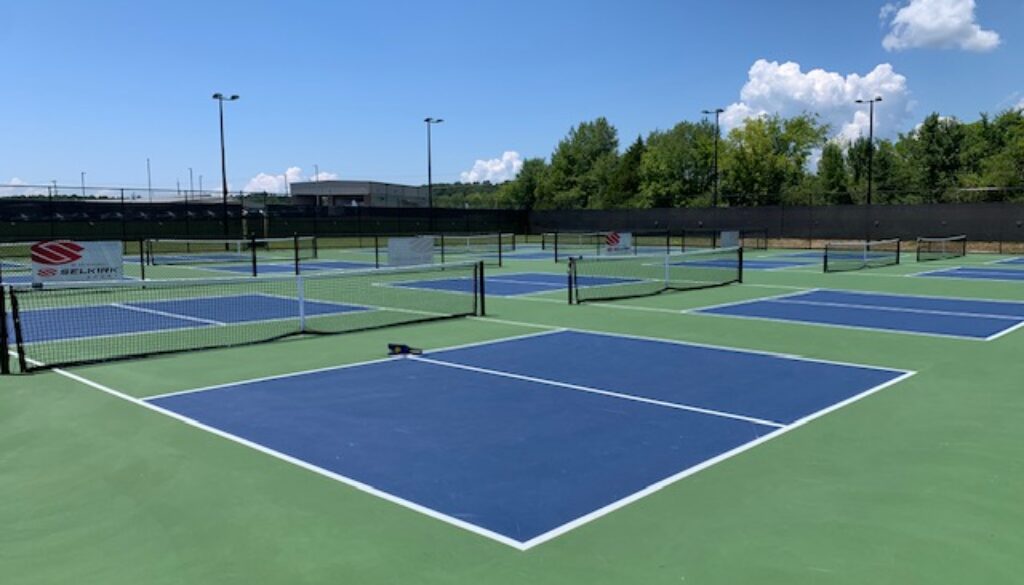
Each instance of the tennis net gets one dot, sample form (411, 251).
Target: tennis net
(929, 249)
(847, 256)
(172, 251)
(618, 277)
(69, 324)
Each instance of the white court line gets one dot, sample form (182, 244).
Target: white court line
(655, 487)
(785, 356)
(1006, 331)
(755, 300)
(166, 314)
(894, 309)
(368, 489)
(599, 391)
(551, 331)
(839, 326)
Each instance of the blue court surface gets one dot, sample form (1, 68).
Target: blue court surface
(511, 285)
(523, 439)
(1017, 261)
(976, 273)
(962, 318)
(289, 267)
(167, 315)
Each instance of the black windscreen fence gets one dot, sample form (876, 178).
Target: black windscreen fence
(805, 225)
(131, 219)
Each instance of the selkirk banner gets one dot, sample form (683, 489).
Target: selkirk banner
(71, 261)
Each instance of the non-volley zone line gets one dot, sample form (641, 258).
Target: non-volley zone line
(936, 316)
(612, 420)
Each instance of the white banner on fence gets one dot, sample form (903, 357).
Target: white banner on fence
(411, 251)
(729, 239)
(618, 243)
(70, 261)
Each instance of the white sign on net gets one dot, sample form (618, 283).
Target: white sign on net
(70, 261)
(618, 243)
(411, 251)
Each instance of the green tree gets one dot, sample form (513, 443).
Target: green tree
(678, 166)
(767, 157)
(832, 178)
(581, 167)
(521, 192)
(624, 184)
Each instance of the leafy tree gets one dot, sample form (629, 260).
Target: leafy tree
(624, 185)
(581, 167)
(833, 180)
(678, 165)
(521, 193)
(767, 157)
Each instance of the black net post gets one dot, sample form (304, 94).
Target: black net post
(142, 258)
(376, 251)
(295, 249)
(252, 252)
(19, 339)
(5, 357)
(481, 288)
(570, 284)
(500, 250)
(442, 247)
(898, 242)
(739, 276)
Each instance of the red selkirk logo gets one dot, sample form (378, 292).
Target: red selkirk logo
(56, 253)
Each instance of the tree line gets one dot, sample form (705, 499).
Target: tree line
(768, 160)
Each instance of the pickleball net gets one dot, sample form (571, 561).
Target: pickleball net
(847, 256)
(69, 324)
(929, 249)
(619, 277)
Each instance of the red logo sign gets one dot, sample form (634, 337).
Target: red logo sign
(612, 239)
(56, 253)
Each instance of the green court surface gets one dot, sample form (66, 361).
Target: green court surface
(921, 482)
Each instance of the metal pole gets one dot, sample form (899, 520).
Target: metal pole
(83, 183)
(223, 169)
(149, 180)
(717, 112)
(871, 148)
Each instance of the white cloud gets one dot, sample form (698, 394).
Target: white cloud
(936, 24)
(14, 187)
(496, 170)
(279, 183)
(784, 89)
(1020, 106)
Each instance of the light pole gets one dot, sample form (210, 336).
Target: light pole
(223, 159)
(149, 180)
(430, 167)
(871, 140)
(83, 184)
(717, 112)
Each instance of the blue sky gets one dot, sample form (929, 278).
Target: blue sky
(99, 86)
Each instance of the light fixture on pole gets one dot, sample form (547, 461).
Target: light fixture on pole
(717, 112)
(223, 159)
(871, 141)
(430, 166)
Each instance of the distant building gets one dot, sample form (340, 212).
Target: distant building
(358, 193)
